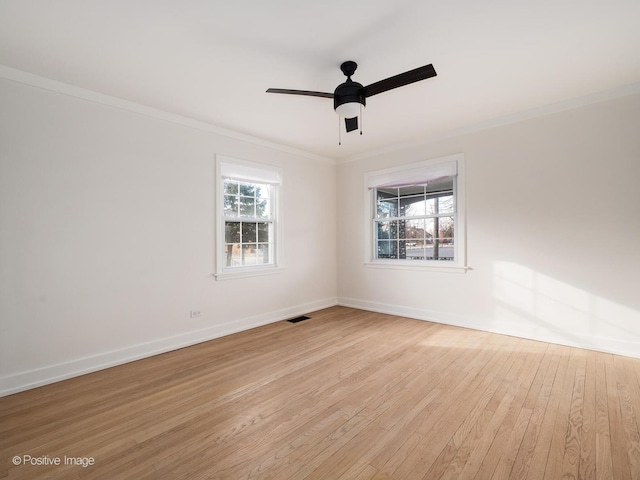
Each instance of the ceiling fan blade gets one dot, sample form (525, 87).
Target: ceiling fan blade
(351, 124)
(300, 92)
(421, 73)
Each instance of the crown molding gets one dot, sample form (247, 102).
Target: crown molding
(62, 88)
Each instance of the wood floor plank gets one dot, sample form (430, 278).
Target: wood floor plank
(346, 395)
(524, 458)
(572, 448)
(586, 468)
(544, 441)
(628, 394)
(560, 440)
(603, 465)
(619, 442)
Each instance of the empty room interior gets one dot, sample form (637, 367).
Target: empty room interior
(357, 240)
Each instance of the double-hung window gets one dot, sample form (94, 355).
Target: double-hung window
(416, 215)
(248, 221)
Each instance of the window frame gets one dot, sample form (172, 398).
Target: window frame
(254, 173)
(459, 264)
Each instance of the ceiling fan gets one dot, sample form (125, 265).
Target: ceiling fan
(350, 97)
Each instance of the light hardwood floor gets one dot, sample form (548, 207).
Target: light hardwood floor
(346, 395)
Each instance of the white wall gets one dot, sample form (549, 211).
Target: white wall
(553, 232)
(107, 237)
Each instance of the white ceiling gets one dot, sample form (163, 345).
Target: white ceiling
(213, 60)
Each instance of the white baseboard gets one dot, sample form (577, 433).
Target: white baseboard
(62, 371)
(542, 334)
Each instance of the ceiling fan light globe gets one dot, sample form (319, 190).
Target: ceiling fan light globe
(349, 109)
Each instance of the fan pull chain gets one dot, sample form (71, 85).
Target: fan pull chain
(339, 132)
(361, 119)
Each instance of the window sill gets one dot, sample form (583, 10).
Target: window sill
(247, 272)
(418, 267)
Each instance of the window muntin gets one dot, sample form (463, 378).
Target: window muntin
(416, 222)
(248, 223)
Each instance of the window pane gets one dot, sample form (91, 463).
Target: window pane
(402, 249)
(412, 206)
(415, 249)
(445, 249)
(414, 229)
(233, 255)
(387, 230)
(387, 202)
(432, 206)
(446, 225)
(232, 232)
(263, 232)
(263, 253)
(387, 249)
(247, 189)
(247, 206)
(248, 232)
(231, 205)
(262, 191)
(445, 204)
(440, 204)
(446, 238)
(249, 256)
(428, 250)
(230, 186)
(387, 208)
(439, 236)
(430, 228)
(262, 208)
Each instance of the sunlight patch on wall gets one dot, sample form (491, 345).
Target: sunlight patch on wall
(540, 302)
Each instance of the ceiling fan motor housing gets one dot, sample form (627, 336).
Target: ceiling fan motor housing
(349, 92)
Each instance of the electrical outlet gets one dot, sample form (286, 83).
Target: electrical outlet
(195, 313)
